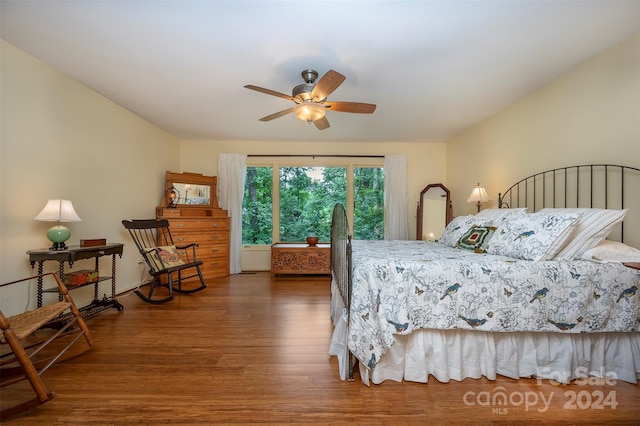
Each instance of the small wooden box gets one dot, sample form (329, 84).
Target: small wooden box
(93, 242)
(81, 277)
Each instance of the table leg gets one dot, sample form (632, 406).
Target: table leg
(95, 287)
(39, 290)
(61, 269)
(114, 301)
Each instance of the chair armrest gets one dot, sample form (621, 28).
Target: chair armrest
(187, 246)
(191, 257)
(62, 288)
(32, 277)
(28, 278)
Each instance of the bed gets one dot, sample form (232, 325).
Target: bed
(536, 288)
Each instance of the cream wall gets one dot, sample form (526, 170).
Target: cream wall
(589, 115)
(425, 165)
(61, 140)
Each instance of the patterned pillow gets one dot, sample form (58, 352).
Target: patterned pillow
(536, 236)
(496, 215)
(476, 238)
(458, 226)
(593, 226)
(168, 254)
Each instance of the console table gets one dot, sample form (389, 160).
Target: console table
(300, 258)
(71, 255)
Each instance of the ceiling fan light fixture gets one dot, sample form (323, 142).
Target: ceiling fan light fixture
(309, 111)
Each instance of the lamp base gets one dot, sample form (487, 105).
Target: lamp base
(58, 235)
(58, 246)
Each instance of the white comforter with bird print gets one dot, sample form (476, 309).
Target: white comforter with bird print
(400, 286)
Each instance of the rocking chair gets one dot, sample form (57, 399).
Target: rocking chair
(27, 359)
(169, 265)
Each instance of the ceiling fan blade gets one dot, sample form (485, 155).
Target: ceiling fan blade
(322, 123)
(355, 107)
(277, 115)
(269, 92)
(326, 85)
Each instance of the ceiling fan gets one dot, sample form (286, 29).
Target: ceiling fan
(311, 99)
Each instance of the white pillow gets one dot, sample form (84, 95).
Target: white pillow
(496, 215)
(612, 251)
(536, 236)
(593, 226)
(458, 227)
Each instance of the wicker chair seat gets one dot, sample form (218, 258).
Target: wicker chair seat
(28, 322)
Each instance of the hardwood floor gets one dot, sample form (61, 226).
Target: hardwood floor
(250, 349)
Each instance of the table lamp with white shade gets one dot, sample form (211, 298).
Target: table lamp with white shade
(478, 196)
(58, 211)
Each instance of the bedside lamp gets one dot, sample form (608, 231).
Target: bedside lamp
(478, 196)
(58, 211)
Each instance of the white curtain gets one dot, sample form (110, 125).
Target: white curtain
(396, 225)
(232, 170)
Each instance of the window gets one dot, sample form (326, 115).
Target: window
(307, 197)
(368, 195)
(290, 203)
(256, 206)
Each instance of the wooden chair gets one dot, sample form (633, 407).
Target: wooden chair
(169, 265)
(27, 359)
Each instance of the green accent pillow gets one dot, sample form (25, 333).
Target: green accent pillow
(475, 238)
(164, 257)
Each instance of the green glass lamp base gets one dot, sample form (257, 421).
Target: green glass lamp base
(58, 235)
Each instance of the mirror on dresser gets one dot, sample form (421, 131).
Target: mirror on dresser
(191, 206)
(434, 211)
(189, 190)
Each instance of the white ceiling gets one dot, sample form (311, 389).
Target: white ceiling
(433, 68)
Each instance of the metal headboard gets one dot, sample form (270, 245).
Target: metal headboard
(341, 264)
(588, 186)
(341, 253)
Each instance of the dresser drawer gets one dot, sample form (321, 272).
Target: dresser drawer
(205, 251)
(198, 224)
(183, 238)
(215, 263)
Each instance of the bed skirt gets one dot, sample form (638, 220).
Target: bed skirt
(459, 354)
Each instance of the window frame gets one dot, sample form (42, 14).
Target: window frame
(275, 162)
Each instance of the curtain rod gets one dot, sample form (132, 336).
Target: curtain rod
(314, 155)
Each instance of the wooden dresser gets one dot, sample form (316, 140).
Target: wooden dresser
(204, 222)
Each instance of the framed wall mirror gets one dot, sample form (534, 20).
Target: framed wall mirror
(434, 211)
(190, 190)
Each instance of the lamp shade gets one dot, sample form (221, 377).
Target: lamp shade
(309, 111)
(58, 211)
(478, 195)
